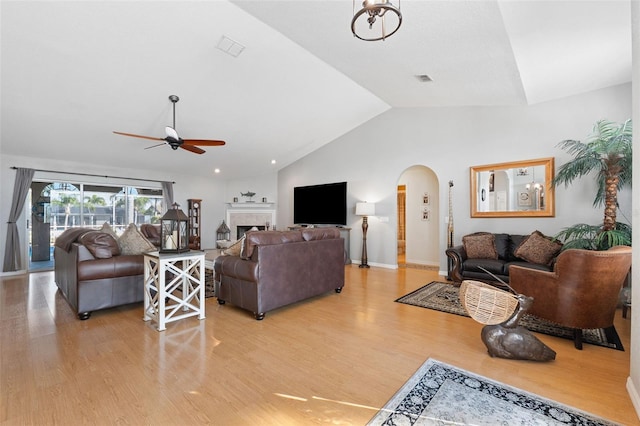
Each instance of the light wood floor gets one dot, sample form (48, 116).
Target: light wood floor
(332, 360)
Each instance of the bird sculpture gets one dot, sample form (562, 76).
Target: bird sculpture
(512, 341)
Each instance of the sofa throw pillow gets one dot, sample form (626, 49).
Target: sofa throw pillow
(234, 249)
(481, 245)
(106, 227)
(133, 242)
(537, 248)
(101, 245)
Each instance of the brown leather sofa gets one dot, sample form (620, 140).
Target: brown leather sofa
(278, 268)
(92, 274)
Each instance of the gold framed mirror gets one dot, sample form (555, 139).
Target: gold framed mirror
(516, 189)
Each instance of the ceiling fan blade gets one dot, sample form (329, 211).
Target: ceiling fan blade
(156, 145)
(193, 149)
(203, 142)
(139, 136)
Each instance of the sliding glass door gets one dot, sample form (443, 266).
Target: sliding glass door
(57, 206)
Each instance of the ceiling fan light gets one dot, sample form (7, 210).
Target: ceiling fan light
(171, 132)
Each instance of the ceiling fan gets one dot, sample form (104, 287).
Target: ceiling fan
(173, 140)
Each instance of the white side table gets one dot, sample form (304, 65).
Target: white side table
(173, 286)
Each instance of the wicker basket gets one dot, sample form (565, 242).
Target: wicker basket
(486, 303)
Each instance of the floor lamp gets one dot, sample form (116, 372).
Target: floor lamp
(365, 209)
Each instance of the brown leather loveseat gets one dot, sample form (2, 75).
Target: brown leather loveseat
(92, 274)
(278, 268)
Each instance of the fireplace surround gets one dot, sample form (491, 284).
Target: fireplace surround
(241, 229)
(249, 217)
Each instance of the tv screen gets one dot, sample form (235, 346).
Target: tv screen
(320, 204)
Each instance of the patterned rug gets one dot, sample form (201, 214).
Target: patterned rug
(441, 394)
(444, 297)
(209, 286)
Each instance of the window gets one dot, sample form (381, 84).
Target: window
(89, 205)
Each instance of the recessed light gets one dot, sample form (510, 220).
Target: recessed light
(216, 170)
(273, 161)
(424, 78)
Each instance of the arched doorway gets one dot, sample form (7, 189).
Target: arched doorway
(418, 218)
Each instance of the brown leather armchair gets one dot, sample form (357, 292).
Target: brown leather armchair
(582, 290)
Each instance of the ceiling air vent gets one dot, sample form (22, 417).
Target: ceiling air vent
(230, 47)
(424, 78)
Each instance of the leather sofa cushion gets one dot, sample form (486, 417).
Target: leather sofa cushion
(312, 234)
(114, 267)
(495, 266)
(265, 238)
(503, 246)
(100, 244)
(528, 265)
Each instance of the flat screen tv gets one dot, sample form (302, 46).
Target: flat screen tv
(324, 204)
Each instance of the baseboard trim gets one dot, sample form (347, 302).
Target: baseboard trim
(634, 395)
(13, 273)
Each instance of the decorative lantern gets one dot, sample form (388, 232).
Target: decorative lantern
(223, 233)
(174, 231)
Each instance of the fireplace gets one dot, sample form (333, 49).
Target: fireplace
(244, 228)
(240, 219)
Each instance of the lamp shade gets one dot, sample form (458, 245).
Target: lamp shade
(365, 209)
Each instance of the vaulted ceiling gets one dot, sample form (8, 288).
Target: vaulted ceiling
(74, 71)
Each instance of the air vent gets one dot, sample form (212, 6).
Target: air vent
(230, 47)
(424, 78)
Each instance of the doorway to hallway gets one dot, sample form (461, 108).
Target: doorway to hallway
(418, 219)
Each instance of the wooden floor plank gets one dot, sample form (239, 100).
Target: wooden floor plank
(334, 359)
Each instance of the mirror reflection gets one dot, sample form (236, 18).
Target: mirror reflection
(516, 189)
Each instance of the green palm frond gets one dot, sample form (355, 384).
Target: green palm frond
(608, 149)
(592, 237)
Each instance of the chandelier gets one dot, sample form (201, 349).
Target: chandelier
(380, 19)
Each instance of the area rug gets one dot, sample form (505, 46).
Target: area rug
(444, 297)
(209, 285)
(440, 394)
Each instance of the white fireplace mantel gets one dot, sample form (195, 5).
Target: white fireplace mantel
(246, 205)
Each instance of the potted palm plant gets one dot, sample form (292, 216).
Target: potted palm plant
(608, 153)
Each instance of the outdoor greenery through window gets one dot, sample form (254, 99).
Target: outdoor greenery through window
(65, 205)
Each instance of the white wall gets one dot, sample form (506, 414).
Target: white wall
(265, 186)
(209, 190)
(372, 158)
